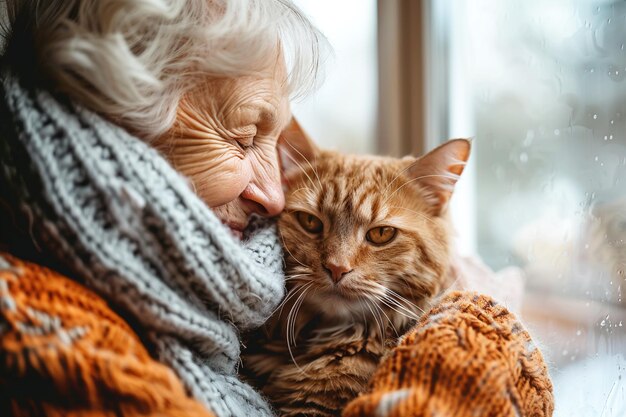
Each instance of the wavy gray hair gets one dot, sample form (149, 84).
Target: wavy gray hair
(133, 60)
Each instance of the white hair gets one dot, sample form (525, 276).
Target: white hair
(133, 60)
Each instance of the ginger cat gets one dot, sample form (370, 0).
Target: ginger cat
(366, 243)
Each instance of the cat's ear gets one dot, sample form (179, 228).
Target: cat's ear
(296, 150)
(438, 171)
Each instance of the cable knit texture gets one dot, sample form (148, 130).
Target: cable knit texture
(109, 208)
(469, 356)
(63, 352)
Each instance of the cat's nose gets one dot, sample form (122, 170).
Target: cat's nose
(337, 271)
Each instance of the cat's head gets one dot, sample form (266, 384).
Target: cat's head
(365, 233)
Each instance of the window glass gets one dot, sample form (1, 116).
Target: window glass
(548, 93)
(342, 113)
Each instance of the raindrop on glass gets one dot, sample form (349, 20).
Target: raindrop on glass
(603, 322)
(523, 157)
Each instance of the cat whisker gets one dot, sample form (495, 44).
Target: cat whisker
(295, 318)
(300, 189)
(282, 237)
(422, 215)
(404, 309)
(383, 334)
(395, 304)
(292, 318)
(408, 285)
(294, 160)
(287, 298)
(403, 299)
(319, 181)
(386, 298)
(444, 292)
(310, 165)
(417, 179)
(295, 307)
(297, 276)
(388, 319)
(374, 289)
(405, 313)
(361, 300)
(377, 318)
(402, 171)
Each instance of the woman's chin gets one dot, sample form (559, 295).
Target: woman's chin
(236, 232)
(236, 220)
(236, 227)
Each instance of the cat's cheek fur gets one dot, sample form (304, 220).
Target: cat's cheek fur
(327, 340)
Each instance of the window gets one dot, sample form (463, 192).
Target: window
(542, 89)
(541, 86)
(343, 111)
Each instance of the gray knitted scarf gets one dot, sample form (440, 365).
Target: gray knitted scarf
(109, 208)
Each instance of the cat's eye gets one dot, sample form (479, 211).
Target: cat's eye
(381, 235)
(309, 222)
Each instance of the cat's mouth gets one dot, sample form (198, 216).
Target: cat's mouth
(343, 292)
(347, 304)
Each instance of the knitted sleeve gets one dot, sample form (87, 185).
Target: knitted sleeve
(467, 357)
(63, 352)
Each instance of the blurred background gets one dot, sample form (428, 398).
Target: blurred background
(541, 87)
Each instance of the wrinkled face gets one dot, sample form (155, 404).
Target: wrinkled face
(224, 141)
(360, 237)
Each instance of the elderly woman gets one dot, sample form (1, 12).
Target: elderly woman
(138, 139)
(138, 159)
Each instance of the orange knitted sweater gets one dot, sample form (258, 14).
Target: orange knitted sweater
(469, 356)
(64, 352)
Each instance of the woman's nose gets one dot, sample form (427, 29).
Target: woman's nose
(267, 199)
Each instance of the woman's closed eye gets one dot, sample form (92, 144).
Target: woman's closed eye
(245, 136)
(246, 142)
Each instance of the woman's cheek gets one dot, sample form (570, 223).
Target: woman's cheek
(222, 182)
